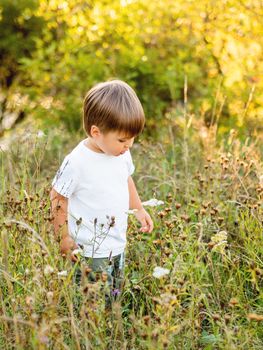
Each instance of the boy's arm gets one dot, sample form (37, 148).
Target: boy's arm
(135, 202)
(140, 213)
(59, 212)
(59, 209)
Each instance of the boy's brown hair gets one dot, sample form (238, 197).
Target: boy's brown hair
(113, 106)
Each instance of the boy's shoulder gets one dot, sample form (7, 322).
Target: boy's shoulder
(75, 155)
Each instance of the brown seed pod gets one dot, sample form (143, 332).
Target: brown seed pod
(185, 217)
(216, 317)
(104, 277)
(155, 334)
(233, 302)
(161, 214)
(202, 211)
(183, 236)
(87, 270)
(180, 281)
(227, 318)
(146, 319)
(157, 242)
(255, 317)
(210, 245)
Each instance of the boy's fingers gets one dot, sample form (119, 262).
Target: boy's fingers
(144, 225)
(73, 258)
(149, 224)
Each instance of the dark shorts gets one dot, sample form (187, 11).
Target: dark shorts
(111, 272)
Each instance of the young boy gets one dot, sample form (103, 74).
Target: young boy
(93, 189)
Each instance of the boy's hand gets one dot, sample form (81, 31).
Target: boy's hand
(67, 245)
(144, 218)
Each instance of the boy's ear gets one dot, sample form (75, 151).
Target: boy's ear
(95, 131)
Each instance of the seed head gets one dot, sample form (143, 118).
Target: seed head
(79, 221)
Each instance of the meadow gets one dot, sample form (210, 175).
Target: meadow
(207, 234)
(196, 281)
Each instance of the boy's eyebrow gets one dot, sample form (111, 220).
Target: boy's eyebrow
(124, 138)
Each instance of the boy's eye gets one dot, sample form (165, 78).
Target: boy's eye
(121, 141)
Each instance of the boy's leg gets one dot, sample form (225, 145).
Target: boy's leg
(113, 269)
(118, 275)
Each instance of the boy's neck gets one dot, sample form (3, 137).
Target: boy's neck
(92, 145)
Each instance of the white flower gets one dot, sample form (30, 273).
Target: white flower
(219, 237)
(131, 211)
(220, 240)
(40, 134)
(159, 272)
(168, 299)
(48, 270)
(77, 251)
(261, 180)
(62, 273)
(153, 202)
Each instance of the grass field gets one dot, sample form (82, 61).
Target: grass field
(208, 234)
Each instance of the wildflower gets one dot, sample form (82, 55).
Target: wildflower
(112, 222)
(185, 218)
(233, 302)
(44, 339)
(78, 222)
(50, 296)
(48, 270)
(30, 300)
(63, 273)
(220, 241)
(115, 292)
(227, 318)
(159, 272)
(104, 277)
(131, 211)
(153, 202)
(161, 214)
(40, 134)
(167, 299)
(261, 180)
(77, 251)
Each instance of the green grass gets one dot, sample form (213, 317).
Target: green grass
(208, 297)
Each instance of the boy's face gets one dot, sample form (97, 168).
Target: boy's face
(112, 143)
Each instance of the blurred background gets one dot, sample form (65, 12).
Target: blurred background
(205, 57)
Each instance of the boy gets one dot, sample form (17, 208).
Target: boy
(93, 189)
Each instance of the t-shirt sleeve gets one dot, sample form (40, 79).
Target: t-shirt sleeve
(65, 180)
(130, 164)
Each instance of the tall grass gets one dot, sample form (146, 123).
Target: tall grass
(208, 234)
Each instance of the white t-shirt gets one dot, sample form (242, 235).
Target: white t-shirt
(96, 186)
